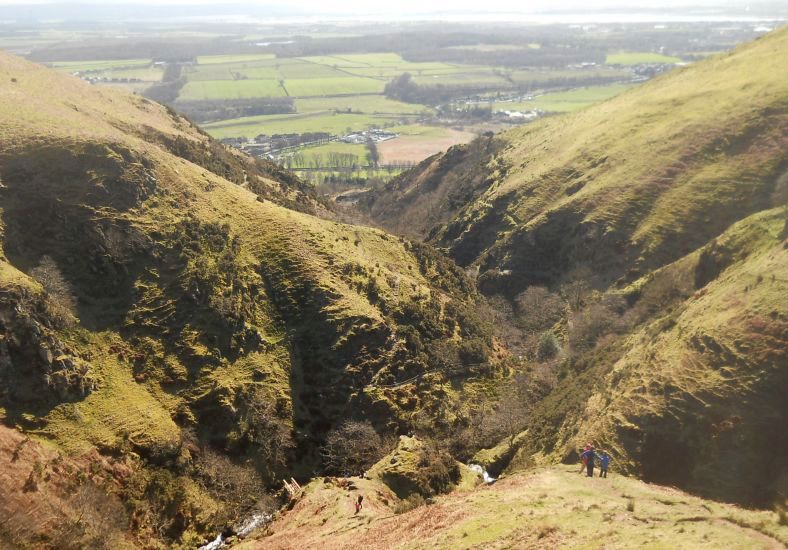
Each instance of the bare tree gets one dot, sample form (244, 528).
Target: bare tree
(577, 290)
(267, 430)
(373, 155)
(538, 309)
(237, 486)
(594, 321)
(352, 447)
(509, 416)
(59, 290)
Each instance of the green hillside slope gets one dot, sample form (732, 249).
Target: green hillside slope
(691, 395)
(151, 308)
(656, 222)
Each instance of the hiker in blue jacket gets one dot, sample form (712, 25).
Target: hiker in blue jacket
(588, 457)
(604, 461)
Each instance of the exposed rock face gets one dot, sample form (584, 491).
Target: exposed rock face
(32, 358)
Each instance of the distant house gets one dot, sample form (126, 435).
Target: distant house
(354, 138)
(375, 134)
(519, 115)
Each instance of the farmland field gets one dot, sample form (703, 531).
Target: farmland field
(308, 154)
(311, 87)
(636, 58)
(337, 123)
(477, 78)
(415, 143)
(370, 104)
(229, 89)
(389, 63)
(318, 76)
(343, 93)
(563, 102)
(217, 59)
(539, 77)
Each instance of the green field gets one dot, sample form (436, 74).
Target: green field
(344, 93)
(230, 89)
(310, 87)
(538, 77)
(264, 68)
(329, 122)
(376, 61)
(368, 104)
(252, 77)
(219, 59)
(419, 131)
(478, 78)
(319, 76)
(308, 154)
(636, 58)
(564, 102)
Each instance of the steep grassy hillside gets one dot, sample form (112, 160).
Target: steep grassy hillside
(35, 97)
(691, 395)
(173, 319)
(546, 508)
(625, 186)
(656, 222)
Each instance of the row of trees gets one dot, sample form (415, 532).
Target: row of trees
(342, 162)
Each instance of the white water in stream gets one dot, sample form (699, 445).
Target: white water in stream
(245, 529)
(482, 472)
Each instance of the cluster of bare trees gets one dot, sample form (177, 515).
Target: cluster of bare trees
(237, 486)
(352, 447)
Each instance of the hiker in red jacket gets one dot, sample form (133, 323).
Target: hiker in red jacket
(589, 456)
(583, 461)
(359, 504)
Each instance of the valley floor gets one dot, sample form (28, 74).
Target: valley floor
(546, 508)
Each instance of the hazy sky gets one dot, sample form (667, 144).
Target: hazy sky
(427, 5)
(398, 8)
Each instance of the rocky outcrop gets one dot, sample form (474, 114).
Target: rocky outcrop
(32, 358)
